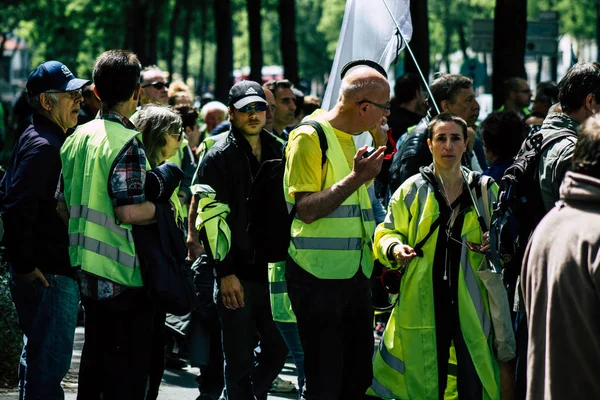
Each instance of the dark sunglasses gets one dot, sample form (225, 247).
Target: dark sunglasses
(385, 106)
(157, 85)
(257, 107)
(391, 280)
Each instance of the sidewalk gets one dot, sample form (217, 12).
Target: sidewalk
(176, 384)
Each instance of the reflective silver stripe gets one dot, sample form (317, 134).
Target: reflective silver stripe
(289, 206)
(410, 196)
(99, 218)
(381, 390)
(345, 212)
(474, 292)
(394, 362)
(103, 249)
(368, 215)
(308, 243)
(422, 195)
(278, 287)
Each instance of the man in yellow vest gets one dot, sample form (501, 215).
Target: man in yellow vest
(330, 254)
(102, 195)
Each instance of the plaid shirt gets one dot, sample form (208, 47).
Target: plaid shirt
(127, 187)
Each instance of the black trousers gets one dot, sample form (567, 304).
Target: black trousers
(116, 356)
(248, 377)
(335, 321)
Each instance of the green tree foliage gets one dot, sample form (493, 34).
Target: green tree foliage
(577, 18)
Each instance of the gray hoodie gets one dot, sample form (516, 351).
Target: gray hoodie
(561, 286)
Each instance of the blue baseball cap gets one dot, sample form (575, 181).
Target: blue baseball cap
(53, 75)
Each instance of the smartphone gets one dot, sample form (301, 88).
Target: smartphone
(370, 150)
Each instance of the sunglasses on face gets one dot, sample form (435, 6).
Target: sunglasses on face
(157, 85)
(258, 107)
(179, 135)
(384, 107)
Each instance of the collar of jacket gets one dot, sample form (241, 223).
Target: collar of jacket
(44, 124)
(559, 121)
(241, 142)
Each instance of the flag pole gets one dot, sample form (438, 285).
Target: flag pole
(412, 55)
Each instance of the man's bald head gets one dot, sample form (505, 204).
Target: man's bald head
(360, 83)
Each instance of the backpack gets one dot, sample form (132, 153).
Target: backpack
(519, 207)
(269, 220)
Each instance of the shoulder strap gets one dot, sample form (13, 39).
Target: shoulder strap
(419, 246)
(555, 137)
(322, 138)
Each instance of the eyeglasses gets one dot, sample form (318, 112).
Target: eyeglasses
(73, 94)
(385, 107)
(179, 135)
(525, 91)
(256, 107)
(157, 85)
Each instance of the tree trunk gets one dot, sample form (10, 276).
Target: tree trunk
(187, 28)
(254, 25)
(135, 38)
(203, 21)
(462, 40)
(289, 46)
(152, 37)
(510, 29)
(419, 43)
(448, 32)
(172, 34)
(224, 41)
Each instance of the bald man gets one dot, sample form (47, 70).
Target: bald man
(330, 258)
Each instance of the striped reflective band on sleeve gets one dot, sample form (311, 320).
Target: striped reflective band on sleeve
(319, 243)
(278, 287)
(103, 249)
(99, 218)
(381, 390)
(394, 362)
(474, 292)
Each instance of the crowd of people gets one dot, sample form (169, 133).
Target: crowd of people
(107, 169)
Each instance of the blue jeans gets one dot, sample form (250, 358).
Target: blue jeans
(48, 317)
(289, 332)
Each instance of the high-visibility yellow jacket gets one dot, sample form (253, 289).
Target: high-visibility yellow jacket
(405, 366)
(336, 246)
(99, 243)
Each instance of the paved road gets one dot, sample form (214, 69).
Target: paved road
(176, 384)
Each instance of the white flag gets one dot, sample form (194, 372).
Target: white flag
(368, 33)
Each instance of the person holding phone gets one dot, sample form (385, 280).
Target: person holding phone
(432, 232)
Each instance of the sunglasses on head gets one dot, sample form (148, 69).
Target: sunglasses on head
(256, 107)
(157, 85)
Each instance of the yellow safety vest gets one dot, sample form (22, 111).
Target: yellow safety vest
(99, 243)
(335, 246)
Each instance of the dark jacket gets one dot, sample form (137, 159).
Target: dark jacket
(400, 120)
(229, 167)
(35, 236)
(412, 155)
